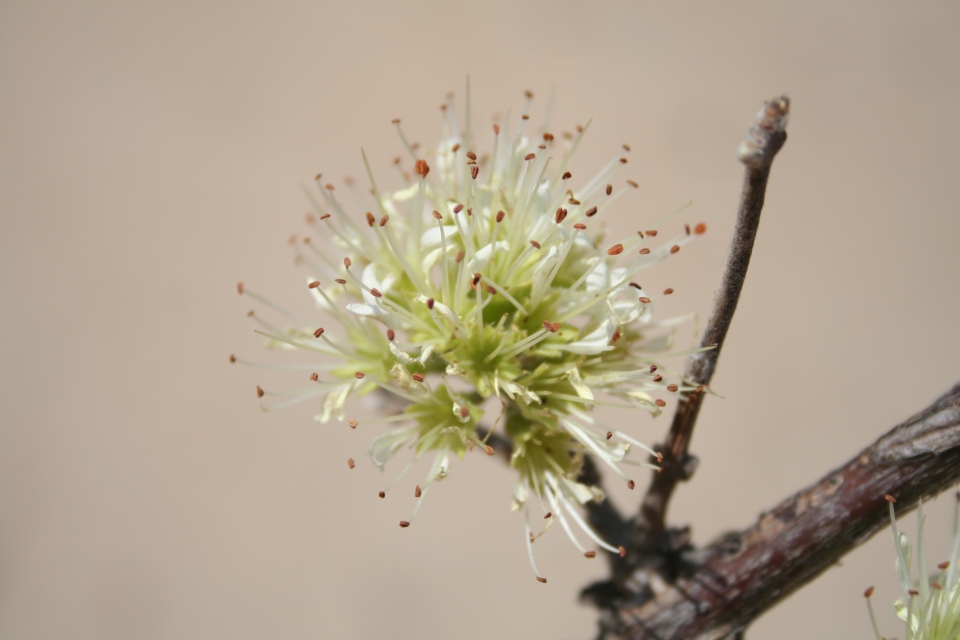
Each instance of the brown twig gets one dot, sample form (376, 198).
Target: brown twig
(763, 141)
(743, 574)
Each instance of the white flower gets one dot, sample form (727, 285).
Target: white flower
(488, 278)
(930, 607)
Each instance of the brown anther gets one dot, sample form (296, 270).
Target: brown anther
(455, 147)
(376, 293)
(404, 524)
(935, 585)
(635, 285)
(314, 284)
(698, 389)
(623, 551)
(560, 214)
(430, 303)
(609, 434)
(700, 229)
(548, 515)
(233, 358)
(651, 232)
(644, 300)
(589, 554)
(535, 244)
(626, 147)
(384, 220)
(259, 392)
(329, 187)
(659, 457)
(469, 211)
(548, 137)
(381, 494)
(240, 288)
(868, 592)
(566, 175)
(658, 378)
(579, 128)
(418, 377)
(889, 498)
(395, 121)
(675, 248)
(592, 211)
(325, 216)
(318, 332)
(913, 592)
(530, 156)
(458, 208)
(476, 279)
(314, 376)
(659, 402)
(351, 463)
(340, 281)
(391, 334)
(471, 155)
(488, 450)
(623, 161)
(436, 214)
(347, 262)
(943, 566)
(667, 291)
(644, 251)
(633, 184)
(489, 289)
(309, 218)
(542, 580)
(352, 424)
(580, 226)
(653, 368)
(616, 336)
(501, 215)
(609, 189)
(464, 412)
(572, 200)
(421, 168)
(615, 250)
(672, 387)
(552, 327)
(630, 484)
(496, 129)
(371, 220)
(524, 117)
(317, 177)
(417, 492)
(459, 256)
(686, 228)
(359, 375)
(474, 171)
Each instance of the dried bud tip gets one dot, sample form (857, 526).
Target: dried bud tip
(259, 392)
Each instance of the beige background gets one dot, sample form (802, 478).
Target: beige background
(150, 157)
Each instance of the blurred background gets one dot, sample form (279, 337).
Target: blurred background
(151, 156)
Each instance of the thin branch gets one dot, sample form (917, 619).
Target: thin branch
(741, 575)
(763, 141)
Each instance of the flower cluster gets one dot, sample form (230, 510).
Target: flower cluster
(481, 282)
(930, 608)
